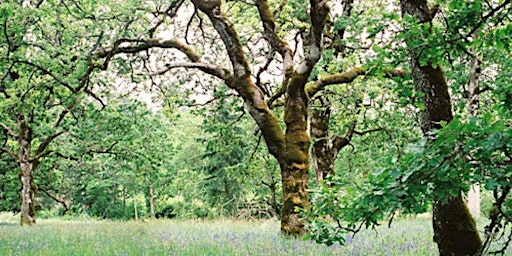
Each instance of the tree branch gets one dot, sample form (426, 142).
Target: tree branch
(104, 151)
(40, 152)
(66, 157)
(10, 152)
(318, 14)
(340, 78)
(368, 131)
(8, 130)
(58, 200)
(269, 28)
(47, 72)
(347, 77)
(137, 45)
(207, 68)
(228, 34)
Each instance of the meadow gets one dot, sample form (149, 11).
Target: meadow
(412, 236)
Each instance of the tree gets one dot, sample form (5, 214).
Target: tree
(250, 62)
(440, 167)
(454, 229)
(48, 63)
(289, 147)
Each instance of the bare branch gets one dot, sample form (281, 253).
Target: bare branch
(170, 12)
(269, 27)
(66, 156)
(212, 100)
(92, 94)
(228, 34)
(484, 19)
(368, 131)
(104, 151)
(319, 11)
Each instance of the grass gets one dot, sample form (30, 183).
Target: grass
(222, 237)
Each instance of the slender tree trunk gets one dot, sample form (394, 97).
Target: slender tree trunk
(151, 202)
(473, 197)
(26, 174)
(27, 193)
(454, 229)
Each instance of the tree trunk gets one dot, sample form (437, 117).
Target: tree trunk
(27, 166)
(151, 202)
(323, 159)
(473, 197)
(27, 194)
(454, 229)
(326, 148)
(295, 167)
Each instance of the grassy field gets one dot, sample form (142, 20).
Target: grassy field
(162, 237)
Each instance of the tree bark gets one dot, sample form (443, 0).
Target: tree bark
(295, 167)
(323, 159)
(27, 166)
(454, 229)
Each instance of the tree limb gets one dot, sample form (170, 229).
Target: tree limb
(368, 131)
(138, 45)
(318, 14)
(269, 28)
(58, 200)
(47, 72)
(40, 152)
(104, 151)
(347, 77)
(228, 34)
(66, 156)
(8, 130)
(207, 68)
(10, 152)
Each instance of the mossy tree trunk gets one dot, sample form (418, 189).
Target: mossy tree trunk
(454, 229)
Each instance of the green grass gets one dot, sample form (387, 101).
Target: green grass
(411, 236)
(226, 237)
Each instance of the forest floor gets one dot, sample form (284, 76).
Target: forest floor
(410, 236)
